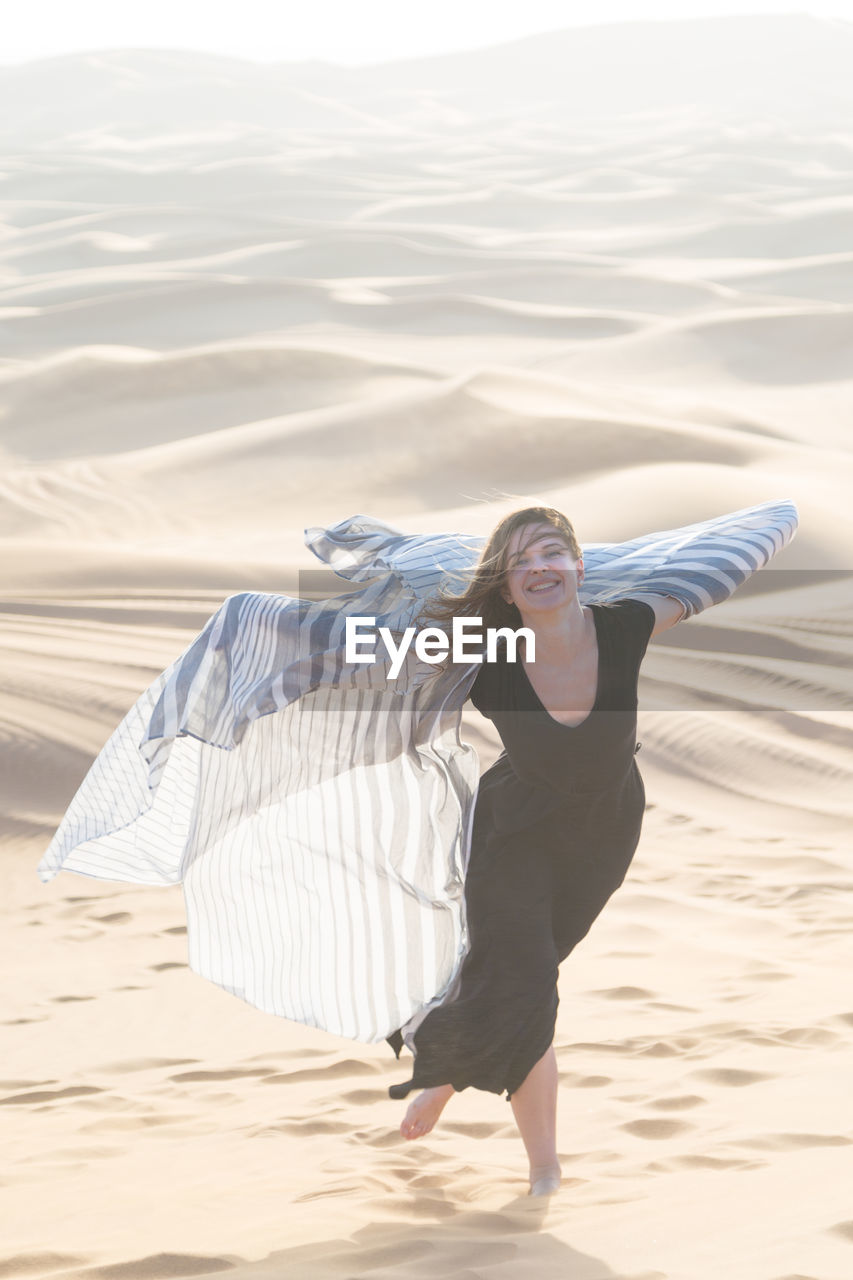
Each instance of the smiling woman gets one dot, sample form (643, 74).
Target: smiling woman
(321, 818)
(556, 824)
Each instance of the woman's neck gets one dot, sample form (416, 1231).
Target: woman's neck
(562, 634)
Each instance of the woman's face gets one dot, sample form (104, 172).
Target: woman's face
(541, 572)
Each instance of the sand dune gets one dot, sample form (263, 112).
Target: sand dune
(237, 301)
(829, 278)
(793, 232)
(249, 241)
(809, 343)
(65, 405)
(139, 312)
(220, 477)
(555, 285)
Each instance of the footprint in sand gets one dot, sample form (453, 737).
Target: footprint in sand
(656, 1128)
(796, 1141)
(471, 1128)
(143, 1064)
(136, 1124)
(364, 1097)
(39, 1264)
(231, 1073)
(49, 1095)
(844, 1229)
(311, 1127)
(808, 1036)
(415, 1176)
(660, 1049)
(741, 1034)
(328, 1191)
(732, 1076)
(427, 1181)
(25, 1084)
(584, 1082)
(679, 1102)
(349, 1067)
(158, 1265)
(381, 1138)
(290, 1053)
(623, 993)
(715, 1162)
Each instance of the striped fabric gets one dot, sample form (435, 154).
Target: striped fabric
(316, 812)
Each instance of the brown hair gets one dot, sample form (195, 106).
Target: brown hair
(482, 598)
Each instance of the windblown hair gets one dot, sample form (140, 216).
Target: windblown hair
(482, 597)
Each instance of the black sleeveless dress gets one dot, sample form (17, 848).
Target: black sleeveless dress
(556, 824)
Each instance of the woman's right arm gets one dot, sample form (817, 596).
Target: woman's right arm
(667, 611)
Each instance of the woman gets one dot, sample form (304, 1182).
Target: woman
(318, 814)
(557, 820)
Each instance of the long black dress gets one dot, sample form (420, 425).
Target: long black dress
(556, 824)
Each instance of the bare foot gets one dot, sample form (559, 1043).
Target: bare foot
(545, 1179)
(425, 1110)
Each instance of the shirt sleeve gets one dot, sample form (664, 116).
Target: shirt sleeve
(638, 622)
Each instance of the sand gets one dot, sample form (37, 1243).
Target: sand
(238, 302)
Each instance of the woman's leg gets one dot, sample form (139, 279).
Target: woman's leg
(501, 1016)
(534, 1104)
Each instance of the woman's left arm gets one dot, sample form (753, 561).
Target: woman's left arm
(667, 609)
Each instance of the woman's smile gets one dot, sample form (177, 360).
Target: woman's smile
(544, 584)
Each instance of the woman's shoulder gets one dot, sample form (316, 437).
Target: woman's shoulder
(628, 609)
(632, 619)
